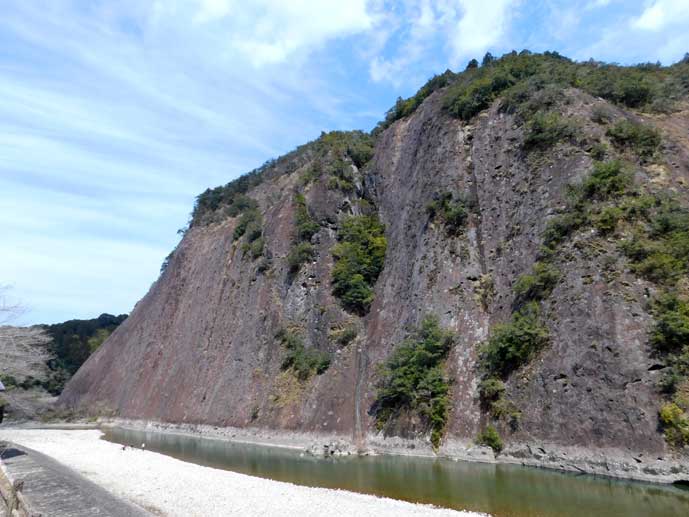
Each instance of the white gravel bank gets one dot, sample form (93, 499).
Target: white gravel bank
(172, 487)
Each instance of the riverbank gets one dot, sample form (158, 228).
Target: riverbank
(167, 486)
(615, 463)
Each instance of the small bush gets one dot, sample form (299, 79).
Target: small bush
(450, 210)
(513, 344)
(641, 139)
(660, 251)
(345, 335)
(249, 223)
(560, 227)
(9, 381)
(241, 203)
(490, 391)
(671, 330)
(490, 438)
(545, 129)
(606, 220)
(607, 180)
(255, 248)
(413, 379)
(536, 285)
(675, 423)
(305, 225)
(464, 101)
(300, 254)
(360, 151)
(304, 362)
(359, 255)
(599, 151)
(601, 114)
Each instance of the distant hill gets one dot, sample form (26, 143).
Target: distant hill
(37, 361)
(74, 341)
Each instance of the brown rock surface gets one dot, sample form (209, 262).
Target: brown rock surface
(200, 347)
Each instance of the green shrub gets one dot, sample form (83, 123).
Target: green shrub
(671, 330)
(249, 221)
(675, 423)
(241, 203)
(9, 381)
(345, 335)
(491, 390)
(360, 151)
(305, 228)
(545, 129)
(536, 285)
(464, 101)
(606, 220)
(530, 97)
(607, 180)
(304, 362)
(450, 210)
(513, 344)
(359, 256)
(640, 138)
(599, 151)
(413, 379)
(601, 114)
(330, 152)
(255, 248)
(305, 225)
(560, 227)
(660, 251)
(490, 438)
(300, 254)
(344, 185)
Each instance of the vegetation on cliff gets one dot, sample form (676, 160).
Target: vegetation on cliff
(413, 379)
(250, 226)
(646, 86)
(490, 438)
(359, 258)
(450, 210)
(305, 227)
(303, 362)
(332, 154)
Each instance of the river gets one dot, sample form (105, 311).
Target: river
(501, 490)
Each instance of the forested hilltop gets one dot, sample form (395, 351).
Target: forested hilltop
(504, 260)
(45, 357)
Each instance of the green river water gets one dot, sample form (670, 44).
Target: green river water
(501, 490)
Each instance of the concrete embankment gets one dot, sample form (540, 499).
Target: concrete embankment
(32, 484)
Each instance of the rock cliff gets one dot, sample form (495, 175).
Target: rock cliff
(207, 344)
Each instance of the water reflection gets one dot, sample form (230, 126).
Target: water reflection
(502, 490)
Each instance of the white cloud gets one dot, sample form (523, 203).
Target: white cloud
(662, 13)
(462, 28)
(271, 31)
(481, 25)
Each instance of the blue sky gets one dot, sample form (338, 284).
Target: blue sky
(115, 114)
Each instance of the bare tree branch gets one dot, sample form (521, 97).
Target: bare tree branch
(8, 310)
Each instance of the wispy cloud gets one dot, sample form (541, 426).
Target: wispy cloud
(663, 13)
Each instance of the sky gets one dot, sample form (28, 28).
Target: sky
(115, 114)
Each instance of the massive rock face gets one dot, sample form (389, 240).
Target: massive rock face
(201, 346)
